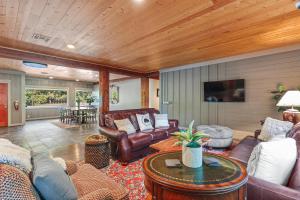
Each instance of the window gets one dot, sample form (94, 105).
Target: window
(84, 97)
(46, 97)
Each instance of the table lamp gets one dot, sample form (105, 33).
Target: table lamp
(290, 99)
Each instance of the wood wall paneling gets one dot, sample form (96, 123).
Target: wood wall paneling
(261, 75)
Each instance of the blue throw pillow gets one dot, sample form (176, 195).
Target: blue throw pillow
(51, 180)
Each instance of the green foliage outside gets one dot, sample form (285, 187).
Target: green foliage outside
(37, 97)
(84, 97)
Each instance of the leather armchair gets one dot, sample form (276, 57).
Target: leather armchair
(125, 147)
(258, 189)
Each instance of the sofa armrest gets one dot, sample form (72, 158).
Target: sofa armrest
(258, 189)
(173, 123)
(72, 167)
(103, 194)
(112, 133)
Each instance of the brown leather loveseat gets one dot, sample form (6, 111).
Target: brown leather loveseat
(125, 147)
(258, 189)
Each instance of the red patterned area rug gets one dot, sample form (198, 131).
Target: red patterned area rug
(132, 177)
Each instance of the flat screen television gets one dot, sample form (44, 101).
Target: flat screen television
(225, 91)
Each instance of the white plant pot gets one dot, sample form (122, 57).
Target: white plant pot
(191, 157)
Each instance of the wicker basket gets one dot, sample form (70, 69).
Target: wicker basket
(97, 151)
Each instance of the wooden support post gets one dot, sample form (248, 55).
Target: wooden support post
(145, 92)
(104, 90)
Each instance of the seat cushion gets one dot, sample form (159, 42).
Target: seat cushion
(157, 134)
(88, 179)
(243, 150)
(139, 140)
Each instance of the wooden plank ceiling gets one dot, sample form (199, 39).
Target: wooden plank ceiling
(148, 35)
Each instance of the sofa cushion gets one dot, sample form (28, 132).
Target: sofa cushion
(157, 134)
(125, 125)
(274, 128)
(139, 140)
(273, 161)
(51, 180)
(243, 150)
(88, 180)
(134, 122)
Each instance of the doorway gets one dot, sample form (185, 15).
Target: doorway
(3, 104)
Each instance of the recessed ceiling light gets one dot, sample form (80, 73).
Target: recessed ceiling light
(50, 77)
(138, 1)
(77, 80)
(71, 46)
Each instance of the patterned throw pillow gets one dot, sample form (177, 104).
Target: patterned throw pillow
(125, 125)
(144, 122)
(274, 128)
(161, 120)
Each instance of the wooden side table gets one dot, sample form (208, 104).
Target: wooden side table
(227, 181)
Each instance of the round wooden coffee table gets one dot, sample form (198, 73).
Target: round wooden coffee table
(226, 181)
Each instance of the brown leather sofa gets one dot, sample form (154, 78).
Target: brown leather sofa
(258, 189)
(125, 147)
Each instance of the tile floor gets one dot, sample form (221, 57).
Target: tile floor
(45, 136)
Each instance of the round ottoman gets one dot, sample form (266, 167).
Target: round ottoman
(97, 151)
(220, 136)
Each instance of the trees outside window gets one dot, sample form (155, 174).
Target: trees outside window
(46, 97)
(84, 97)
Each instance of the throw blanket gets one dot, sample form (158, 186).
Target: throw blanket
(15, 155)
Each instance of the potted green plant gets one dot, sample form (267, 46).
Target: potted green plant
(191, 146)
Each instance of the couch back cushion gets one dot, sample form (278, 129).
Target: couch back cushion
(109, 117)
(294, 181)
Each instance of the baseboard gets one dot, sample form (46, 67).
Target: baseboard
(17, 124)
(40, 118)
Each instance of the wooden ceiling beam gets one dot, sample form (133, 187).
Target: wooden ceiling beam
(17, 54)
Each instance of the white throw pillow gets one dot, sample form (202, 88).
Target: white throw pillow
(273, 161)
(161, 120)
(125, 125)
(15, 155)
(274, 128)
(144, 122)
